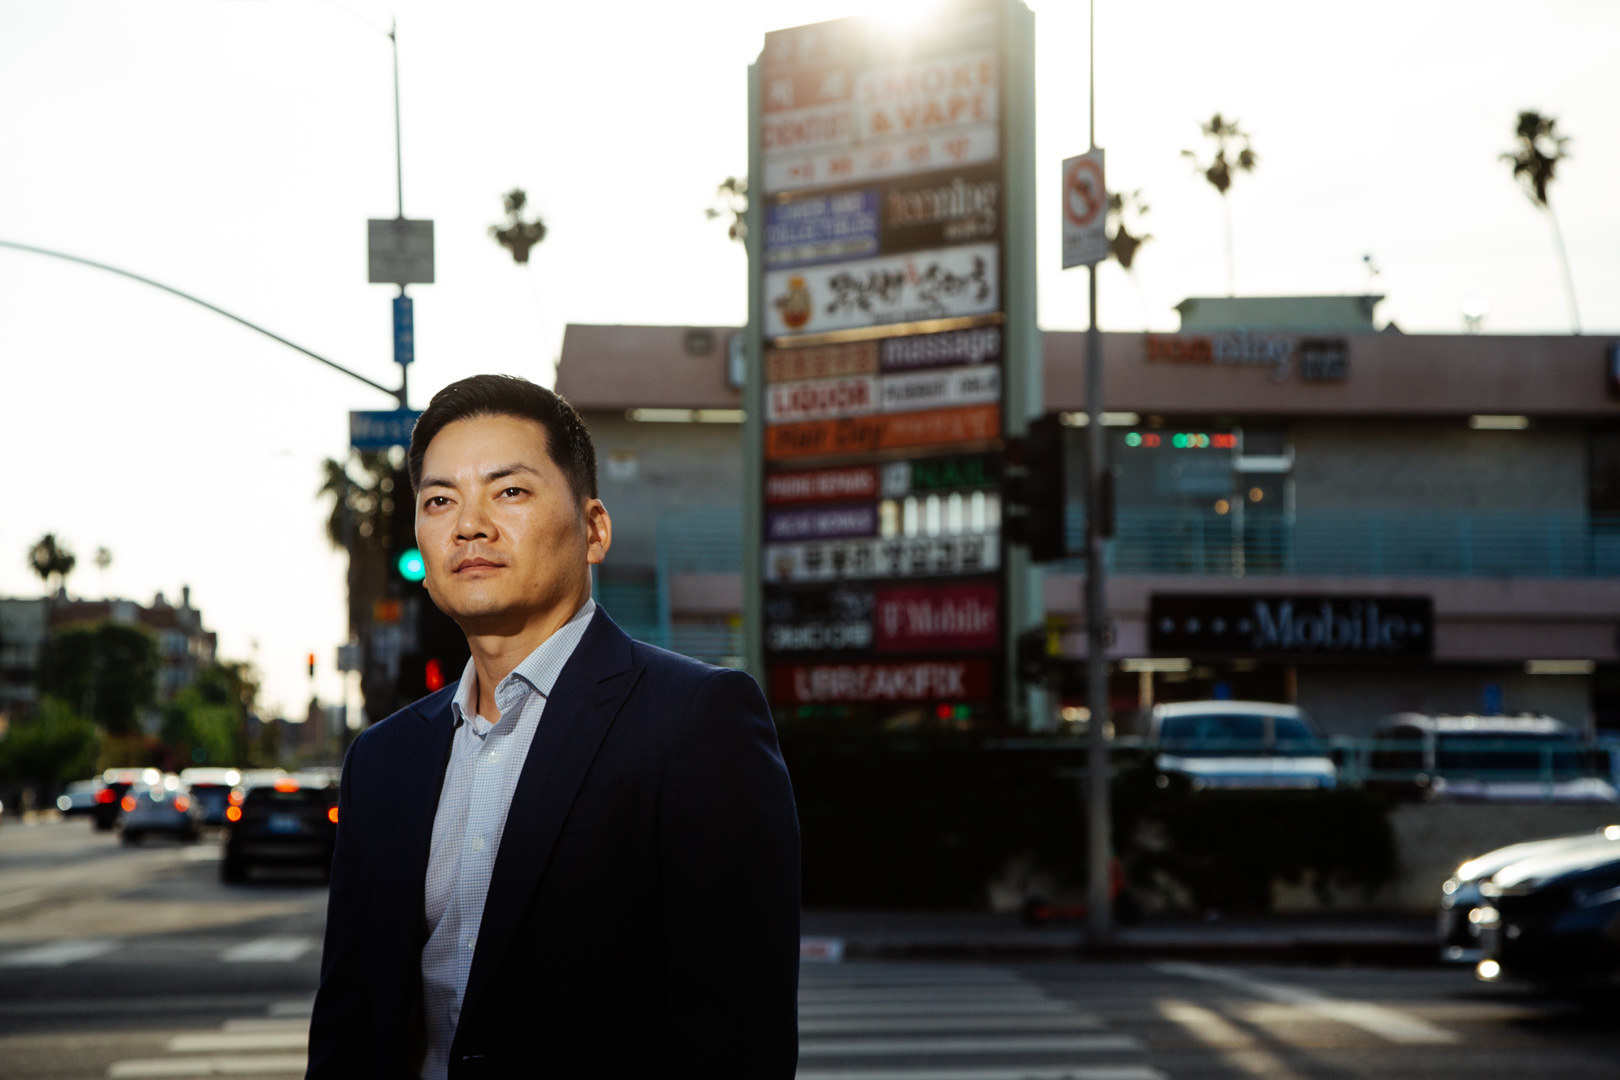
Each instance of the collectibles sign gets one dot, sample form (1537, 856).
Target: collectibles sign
(1293, 627)
(878, 296)
(944, 283)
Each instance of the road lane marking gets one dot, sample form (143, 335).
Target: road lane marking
(216, 1065)
(920, 1021)
(209, 853)
(302, 1008)
(1008, 1072)
(1016, 1044)
(266, 1024)
(813, 996)
(60, 953)
(216, 1042)
(19, 898)
(1386, 1023)
(269, 949)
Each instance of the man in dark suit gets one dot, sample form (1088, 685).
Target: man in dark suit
(582, 859)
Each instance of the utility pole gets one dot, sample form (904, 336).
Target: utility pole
(1098, 816)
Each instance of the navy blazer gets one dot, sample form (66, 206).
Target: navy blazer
(643, 916)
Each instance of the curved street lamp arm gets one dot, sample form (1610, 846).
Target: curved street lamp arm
(397, 394)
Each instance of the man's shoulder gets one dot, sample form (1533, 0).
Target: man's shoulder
(411, 722)
(664, 664)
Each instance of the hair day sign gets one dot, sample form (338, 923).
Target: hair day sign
(1338, 627)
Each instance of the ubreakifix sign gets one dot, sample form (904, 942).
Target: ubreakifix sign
(1292, 627)
(911, 680)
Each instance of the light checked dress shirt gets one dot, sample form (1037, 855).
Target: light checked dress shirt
(485, 762)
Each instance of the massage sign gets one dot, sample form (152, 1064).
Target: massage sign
(879, 277)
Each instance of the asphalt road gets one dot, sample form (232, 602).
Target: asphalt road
(118, 963)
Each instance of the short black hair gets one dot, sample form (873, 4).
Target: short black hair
(567, 440)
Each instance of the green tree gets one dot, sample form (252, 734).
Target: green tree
(366, 494)
(50, 748)
(1231, 154)
(207, 722)
(1535, 161)
(104, 671)
(52, 558)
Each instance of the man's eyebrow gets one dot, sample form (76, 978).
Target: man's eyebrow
(499, 473)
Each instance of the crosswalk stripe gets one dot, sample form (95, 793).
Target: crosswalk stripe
(932, 1008)
(267, 1024)
(215, 1042)
(216, 1065)
(293, 1008)
(1006, 1072)
(1387, 1023)
(60, 953)
(854, 1025)
(1025, 1044)
(271, 949)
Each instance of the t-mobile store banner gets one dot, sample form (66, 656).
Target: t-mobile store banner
(937, 618)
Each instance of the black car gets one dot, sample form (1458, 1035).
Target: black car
(290, 822)
(1555, 919)
(115, 784)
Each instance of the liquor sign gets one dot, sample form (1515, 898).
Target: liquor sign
(879, 298)
(1288, 627)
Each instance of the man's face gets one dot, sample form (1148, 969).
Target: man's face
(507, 547)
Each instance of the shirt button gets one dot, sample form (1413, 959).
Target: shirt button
(471, 942)
(493, 756)
(478, 843)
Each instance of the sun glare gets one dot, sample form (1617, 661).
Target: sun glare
(899, 16)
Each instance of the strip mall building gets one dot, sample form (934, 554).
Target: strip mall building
(1309, 509)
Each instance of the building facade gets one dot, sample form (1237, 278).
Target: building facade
(1308, 508)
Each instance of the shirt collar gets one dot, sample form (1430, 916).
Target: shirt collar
(539, 670)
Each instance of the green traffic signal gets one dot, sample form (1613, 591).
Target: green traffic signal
(410, 565)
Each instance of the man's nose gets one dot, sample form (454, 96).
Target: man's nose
(473, 523)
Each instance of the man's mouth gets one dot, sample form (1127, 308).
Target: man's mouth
(476, 563)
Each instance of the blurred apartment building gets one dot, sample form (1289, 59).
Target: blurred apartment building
(1456, 497)
(185, 647)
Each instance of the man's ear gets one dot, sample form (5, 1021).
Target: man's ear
(598, 531)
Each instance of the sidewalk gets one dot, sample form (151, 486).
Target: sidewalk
(1402, 940)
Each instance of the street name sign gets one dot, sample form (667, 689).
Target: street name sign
(380, 430)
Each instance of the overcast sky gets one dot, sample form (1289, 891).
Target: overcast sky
(235, 149)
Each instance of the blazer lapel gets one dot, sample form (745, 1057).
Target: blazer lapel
(587, 695)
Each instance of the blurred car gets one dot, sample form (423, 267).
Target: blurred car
(81, 797)
(1460, 895)
(165, 808)
(1487, 759)
(109, 802)
(291, 821)
(210, 788)
(1240, 744)
(1553, 919)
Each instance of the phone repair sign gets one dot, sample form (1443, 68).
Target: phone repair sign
(1085, 211)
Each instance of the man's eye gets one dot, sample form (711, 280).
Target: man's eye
(513, 491)
(436, 500)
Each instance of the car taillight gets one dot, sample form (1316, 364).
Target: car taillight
(106, 795)
(181, 803)
(233, 813)
(289, 784)
(237, 795)
(128, 804)
(331, 815)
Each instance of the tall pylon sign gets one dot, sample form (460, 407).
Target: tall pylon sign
(893, 351)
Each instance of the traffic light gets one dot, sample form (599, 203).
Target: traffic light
(404, 559)
(1035, 489)
(312, 665)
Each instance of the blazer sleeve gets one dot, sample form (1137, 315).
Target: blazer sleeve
(340, 1024)
(729, 874)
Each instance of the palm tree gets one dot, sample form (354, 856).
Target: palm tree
(1233, 155)
(1123, 208)
(518, 236)
(1534, 162)
(51, 558)
(731, 201)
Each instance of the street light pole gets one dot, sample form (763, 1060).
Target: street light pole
(399, 189)
(1098, 817)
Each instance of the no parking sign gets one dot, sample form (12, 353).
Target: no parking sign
(1085, 210)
